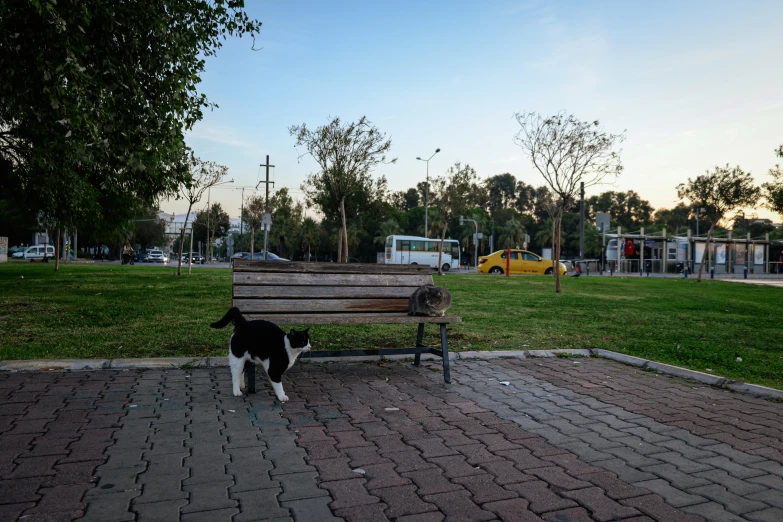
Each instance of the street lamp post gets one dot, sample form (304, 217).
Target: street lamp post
(427, 192)
(209, 211)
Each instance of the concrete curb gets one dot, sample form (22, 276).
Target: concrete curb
(217, 362)
(706, 378)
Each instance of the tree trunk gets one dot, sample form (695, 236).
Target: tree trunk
(340, 245)
(56, 250)
(704, 254)
(182, 241)
(556, 251)
(345, 230)
(252, 242)
(440, 252)
(190, 251)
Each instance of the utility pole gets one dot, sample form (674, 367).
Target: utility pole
(582, 221)
(267, 221)
(242, 212)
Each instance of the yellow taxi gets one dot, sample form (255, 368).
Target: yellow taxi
(519, 262)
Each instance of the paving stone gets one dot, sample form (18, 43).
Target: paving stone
(540, 497)
(14, 511)
(674, 476)
(512, 510)
(348, 493)
(477, 453)
(210, 516)
(766, 515)
(769, 467)
(363, 513)
(735, 485)
(208, 496)
(655, 507)
(160, 488)
(59, 499)
(257, 504)
(403, 500)
(383, 476)
(571, 515)
(484, 489)
(110, 507)
(713, 512)
(454, 467)
(364, 456)
(601, 507)
(458, 506)
(165, 511)
(732, 502)
(316, 509)
(431, 481)
(734, 469)
(432, 447)
(769, 496)
(333, 469)
(411, 461)
(504, 472)
(673, 496)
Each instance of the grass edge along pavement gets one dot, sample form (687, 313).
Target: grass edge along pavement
(185, 363)
(116, 312)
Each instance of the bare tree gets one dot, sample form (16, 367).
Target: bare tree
(203, 174)
(453, 194)
(346, 154)
(719, 193)
(567, 152)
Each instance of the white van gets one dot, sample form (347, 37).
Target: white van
(37, 252)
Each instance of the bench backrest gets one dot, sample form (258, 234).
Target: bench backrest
(333, 292)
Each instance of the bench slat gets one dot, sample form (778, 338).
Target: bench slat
(242, 265)
(314, 292)
(321, 305)
(299, 279)
(306, 319)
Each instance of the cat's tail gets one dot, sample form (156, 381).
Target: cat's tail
(233, 314)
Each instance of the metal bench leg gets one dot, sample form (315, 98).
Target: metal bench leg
(250, 375)
(444, 343)
(419, 341)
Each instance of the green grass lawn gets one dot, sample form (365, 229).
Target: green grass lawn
(109, 311)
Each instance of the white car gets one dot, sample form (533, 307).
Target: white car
(157, 256)
(35, 252)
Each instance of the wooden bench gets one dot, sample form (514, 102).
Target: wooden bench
(335, 293)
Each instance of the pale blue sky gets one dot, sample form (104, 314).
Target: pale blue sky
(694, 84)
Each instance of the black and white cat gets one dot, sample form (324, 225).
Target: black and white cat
(262, 343)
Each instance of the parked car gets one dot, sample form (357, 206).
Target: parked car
(35, 252)
(197, 258)
(259, 256)
(519, 262)
(141, 257)
(157, 256)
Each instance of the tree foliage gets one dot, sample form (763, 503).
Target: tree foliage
(773, 190)
(567, 152)
(454, 193)
(95, 98)
(723, 191)
(202, 176)
(346, 154)
(627, 209)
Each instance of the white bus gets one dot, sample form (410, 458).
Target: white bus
(412, 250)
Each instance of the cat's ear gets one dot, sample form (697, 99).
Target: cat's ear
(291, 333)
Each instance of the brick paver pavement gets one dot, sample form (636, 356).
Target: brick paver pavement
(563, 440)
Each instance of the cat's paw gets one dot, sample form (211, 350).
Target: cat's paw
(284, 398)
(237, 394)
